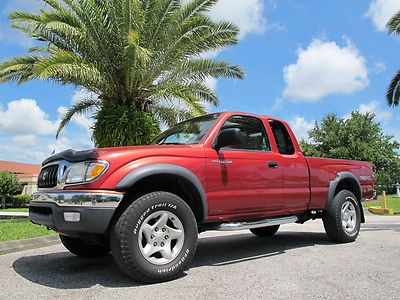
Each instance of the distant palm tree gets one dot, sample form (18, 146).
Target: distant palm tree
(143, 58)
(393, 92)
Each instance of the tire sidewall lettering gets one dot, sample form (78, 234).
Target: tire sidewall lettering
(177, 264)
(151, 209)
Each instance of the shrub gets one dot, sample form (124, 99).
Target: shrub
(17, 201)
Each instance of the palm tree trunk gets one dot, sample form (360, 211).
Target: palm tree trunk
(123, 125)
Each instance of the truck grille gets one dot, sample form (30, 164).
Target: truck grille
(48, 177)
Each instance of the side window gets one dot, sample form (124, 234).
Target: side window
(282, 137)
(253, 133)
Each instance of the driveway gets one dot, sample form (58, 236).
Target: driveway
(299, 262)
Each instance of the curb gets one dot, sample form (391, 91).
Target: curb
(12, 217)
(27, 244)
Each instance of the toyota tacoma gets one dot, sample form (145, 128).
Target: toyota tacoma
(223, 171)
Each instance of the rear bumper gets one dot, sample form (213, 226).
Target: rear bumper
(95, 210)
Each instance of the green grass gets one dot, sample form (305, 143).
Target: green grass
(21, 229)
(24, 209)
(392, 202)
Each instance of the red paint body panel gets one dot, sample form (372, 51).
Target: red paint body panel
(239, 184)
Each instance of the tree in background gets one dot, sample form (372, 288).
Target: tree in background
(393, 92)
(143, 58)
(357, 137)
(9, 184)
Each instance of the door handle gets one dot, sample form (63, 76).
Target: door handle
(272, 164)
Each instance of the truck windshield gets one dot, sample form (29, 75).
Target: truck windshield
(188, 132)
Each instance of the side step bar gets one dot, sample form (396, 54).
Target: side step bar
(256, 224)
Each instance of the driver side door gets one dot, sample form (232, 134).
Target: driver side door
(245, 178)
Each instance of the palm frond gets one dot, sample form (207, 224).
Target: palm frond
(393, 26)
(79, 108)
(393, 92)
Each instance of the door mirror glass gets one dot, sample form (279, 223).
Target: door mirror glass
(229, 137)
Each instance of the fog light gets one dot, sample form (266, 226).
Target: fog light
(72, 217)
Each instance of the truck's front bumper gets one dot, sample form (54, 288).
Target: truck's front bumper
(74, 212)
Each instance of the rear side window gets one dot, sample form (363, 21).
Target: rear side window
(253, 132)
(282, 137)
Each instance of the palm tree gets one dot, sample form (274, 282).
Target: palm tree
(393, 92)
(143, 58)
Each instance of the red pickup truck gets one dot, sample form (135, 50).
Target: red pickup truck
(223, 171)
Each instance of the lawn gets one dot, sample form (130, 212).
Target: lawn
(21, 229)
(24, 209)
(392, 202)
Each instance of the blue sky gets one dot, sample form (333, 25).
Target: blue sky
(302, 59)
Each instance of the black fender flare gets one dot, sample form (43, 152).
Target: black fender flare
(356, 184)
(167, 169)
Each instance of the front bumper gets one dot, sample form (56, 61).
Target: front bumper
(95, 209)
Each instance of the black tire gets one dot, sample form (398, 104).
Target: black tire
(267, 231)
(336, 231)
(82, 248)
(127, 250)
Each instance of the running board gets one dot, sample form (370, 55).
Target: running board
(256, 224)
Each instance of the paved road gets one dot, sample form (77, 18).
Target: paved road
(298, 263)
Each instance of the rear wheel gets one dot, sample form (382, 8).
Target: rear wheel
(83, 248)
(265, 231)
(155, 238)
(343, 218)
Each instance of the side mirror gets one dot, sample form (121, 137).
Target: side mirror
(228, 137)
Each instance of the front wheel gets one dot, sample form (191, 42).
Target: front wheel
(83, 248)
(343, 218)
(155, 238)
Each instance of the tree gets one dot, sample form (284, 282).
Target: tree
(393, 91)
(358, 137)
(9, 184)
(144, 59)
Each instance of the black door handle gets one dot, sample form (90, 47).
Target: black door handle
(272, 164)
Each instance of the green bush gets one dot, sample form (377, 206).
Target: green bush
(17, 201)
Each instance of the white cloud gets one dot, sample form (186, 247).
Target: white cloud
(28, 134)
(381, 114)
(82, 94)
(325, 68)
(301, 127)
(26, 140)
(379, 67)
(85, 121)
(25, 117)
(380, 12)
(248, 15)
(212, 83)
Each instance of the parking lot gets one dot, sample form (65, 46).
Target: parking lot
(299, 262)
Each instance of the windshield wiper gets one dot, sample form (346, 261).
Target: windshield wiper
(172, 144)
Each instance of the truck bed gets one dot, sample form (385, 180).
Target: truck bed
(324, 170)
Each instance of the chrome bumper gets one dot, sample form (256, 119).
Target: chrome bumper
(95, 210)
(98, 199)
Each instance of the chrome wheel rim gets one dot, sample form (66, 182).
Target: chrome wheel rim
(349, 216)
(161, 237)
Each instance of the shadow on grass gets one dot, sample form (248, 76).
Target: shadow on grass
(66, 271)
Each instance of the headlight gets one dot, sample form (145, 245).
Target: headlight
(84, 171)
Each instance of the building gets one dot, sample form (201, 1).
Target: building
(26, 173)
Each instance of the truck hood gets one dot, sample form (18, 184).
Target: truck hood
(136, 152)
(126, 154)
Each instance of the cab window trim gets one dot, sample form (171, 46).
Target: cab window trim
(244, 150)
